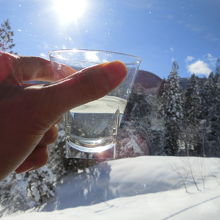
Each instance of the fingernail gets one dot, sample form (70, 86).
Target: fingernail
(115, 68)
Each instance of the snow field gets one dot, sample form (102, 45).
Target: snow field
(149, 187)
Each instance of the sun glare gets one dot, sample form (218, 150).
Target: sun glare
(69, 11)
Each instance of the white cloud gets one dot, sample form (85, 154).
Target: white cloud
(211, 59)
(189, 59)
(199, 67)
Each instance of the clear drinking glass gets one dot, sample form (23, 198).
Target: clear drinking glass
(91, 129)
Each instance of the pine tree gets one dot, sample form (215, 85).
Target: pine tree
(208, 109)
(217, 68)
(13, 196)
(208, 94)
(173, 111)
(192, 103)
(6, 37)
(192, 115)
(213, 133)
(40, 185)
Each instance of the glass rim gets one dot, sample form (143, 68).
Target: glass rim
(137, 58)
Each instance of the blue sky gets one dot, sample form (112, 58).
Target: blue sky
(158, 31)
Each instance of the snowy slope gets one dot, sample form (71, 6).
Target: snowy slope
(138, 188)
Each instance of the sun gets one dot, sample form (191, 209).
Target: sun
(69, 11)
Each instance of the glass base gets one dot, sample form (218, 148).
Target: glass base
(98, 153)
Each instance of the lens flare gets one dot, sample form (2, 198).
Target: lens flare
(69, 11)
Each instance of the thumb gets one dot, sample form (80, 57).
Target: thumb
(49, 102)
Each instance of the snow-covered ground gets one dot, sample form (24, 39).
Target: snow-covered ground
(139, 188)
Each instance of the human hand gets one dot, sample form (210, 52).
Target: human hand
(28, 114)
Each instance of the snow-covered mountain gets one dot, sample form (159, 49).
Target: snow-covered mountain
(146, 83)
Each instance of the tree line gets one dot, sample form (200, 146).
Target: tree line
(190, 110)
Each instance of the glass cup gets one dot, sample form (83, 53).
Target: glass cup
(91, 129)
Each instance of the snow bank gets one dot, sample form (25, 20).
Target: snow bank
(133, 176)
(138, 188)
